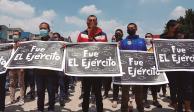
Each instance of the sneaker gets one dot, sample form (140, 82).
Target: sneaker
(11, 102)
(114, 104)
(18, 98)
(51, 111)
(29, 93)
(32, 97)
(67, 99)
(21, 102)
(130, 105)
(174, 105)
(130, 110)
(72, 88)
(46, 104)
(81, 96)
(133, 96)
(62, 103)
(92, 99)
(157, 104)
(146, 104)
(164, 95)
(56, 96)
(105, 96)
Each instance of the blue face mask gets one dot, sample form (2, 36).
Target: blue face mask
(43, 32)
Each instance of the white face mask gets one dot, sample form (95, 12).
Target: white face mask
(15, 36)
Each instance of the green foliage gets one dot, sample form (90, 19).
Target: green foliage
(187, 23)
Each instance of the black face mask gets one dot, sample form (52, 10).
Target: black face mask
(131, 32)
(118, 37)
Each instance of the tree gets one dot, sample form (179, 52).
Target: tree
(187, 23)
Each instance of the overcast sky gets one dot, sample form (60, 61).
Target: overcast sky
(68, 17)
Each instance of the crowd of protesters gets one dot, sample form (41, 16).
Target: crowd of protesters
(58, 84)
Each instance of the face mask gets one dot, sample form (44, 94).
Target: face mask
(131, 32)
(44, 32)
(118, 36)
(16, 38)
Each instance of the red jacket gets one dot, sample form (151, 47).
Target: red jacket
(97, 36)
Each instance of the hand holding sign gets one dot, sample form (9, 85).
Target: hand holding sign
(16, 45)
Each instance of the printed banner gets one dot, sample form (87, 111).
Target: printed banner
(174, 54)
(93, 59)
(6, 50)
(139, 68)
(38, 54)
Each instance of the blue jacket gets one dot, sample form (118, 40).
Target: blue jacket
(133, 43)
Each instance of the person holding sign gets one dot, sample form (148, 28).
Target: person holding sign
(16, 74)
(132, 42)
(154, 88)
(116, 38)
(2, 91)
(179, 81)
(107, 81)
(118, 35)
(63, 80)
(92, 34)
(45, 79)
(149, 37)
